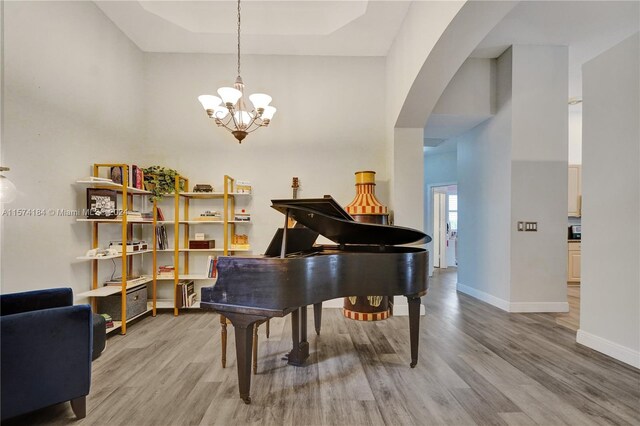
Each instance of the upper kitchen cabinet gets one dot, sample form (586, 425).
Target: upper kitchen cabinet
(575, 190)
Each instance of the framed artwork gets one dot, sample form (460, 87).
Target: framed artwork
(102, 204)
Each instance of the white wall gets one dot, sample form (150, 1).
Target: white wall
(513, 168)
(73, 96)
(575, 134)
(539, 177)
(484, 199)
(610, 287)
(471, 91)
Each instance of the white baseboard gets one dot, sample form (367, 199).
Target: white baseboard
(399, 310)
(485, 297)
(539, 307)
(607, 347)
(515, 307)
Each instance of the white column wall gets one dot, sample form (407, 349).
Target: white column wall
(539, 150)
(610, 286)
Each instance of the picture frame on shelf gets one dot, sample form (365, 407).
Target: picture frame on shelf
(102, 204)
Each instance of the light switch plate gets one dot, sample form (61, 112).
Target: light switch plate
(531, 226)
(520, 226)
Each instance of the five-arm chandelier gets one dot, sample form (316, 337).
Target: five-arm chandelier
(233, 114)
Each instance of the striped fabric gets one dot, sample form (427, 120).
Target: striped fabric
(360, 316)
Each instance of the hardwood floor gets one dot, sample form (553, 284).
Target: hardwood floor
(478, 365)
(571, 319)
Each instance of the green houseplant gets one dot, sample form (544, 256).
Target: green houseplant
(160, 181)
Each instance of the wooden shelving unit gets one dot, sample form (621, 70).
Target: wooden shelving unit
(182, 226)
(127, 195)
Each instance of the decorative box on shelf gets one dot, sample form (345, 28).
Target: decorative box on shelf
(242, 216)
(136, 303)
(132, 246)
(202, 244)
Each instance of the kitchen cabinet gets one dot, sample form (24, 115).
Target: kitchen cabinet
(573, 260)
(575, 190)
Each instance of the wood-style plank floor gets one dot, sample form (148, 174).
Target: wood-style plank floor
(478, 365)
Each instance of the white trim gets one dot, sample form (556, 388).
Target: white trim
(485, 297)
(539, 307)
(607, 347)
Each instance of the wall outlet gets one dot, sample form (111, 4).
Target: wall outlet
(520, 226)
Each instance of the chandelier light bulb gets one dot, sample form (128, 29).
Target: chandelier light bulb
(268, 113)
(243, 119)
(260, 100)
(229, 95)
(209, 101)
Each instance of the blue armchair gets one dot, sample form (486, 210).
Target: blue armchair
(46, 346)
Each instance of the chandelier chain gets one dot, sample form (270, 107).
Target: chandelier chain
(238, 37)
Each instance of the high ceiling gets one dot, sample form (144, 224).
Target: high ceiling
(587, 27)
(326, 27)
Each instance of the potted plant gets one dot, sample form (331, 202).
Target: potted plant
(160, 181)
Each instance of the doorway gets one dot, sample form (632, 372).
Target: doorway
(445, 225)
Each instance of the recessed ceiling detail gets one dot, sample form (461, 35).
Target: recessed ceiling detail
(281, 17)
(324, 27)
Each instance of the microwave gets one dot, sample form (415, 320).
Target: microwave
(575, 232)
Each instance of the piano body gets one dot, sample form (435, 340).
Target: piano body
(295, 273)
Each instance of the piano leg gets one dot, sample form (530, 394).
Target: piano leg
(243, 326)
(300, 350)
(223, 338)
(317, 316)
(414, 327)
(255, 348)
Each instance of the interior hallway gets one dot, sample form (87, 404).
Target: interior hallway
(478, 365)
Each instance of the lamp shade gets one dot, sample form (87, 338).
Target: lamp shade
(229, 95)
(260, 100)
(209, 101)
(268, 113)
(220, 112)
(8, 191)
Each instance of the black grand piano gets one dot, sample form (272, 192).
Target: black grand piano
(295, 273)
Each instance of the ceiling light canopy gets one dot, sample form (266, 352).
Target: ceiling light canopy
(230, 110)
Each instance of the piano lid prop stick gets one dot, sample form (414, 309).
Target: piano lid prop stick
(283, 249)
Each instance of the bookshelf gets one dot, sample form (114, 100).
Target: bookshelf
(128, 197)
(183, 225)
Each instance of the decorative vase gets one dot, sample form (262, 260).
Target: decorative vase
(366, 208)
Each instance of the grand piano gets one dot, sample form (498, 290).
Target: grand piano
(294, 273)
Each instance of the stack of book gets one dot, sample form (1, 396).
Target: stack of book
(108, 320)
(166, 271)
(186, 296)
(212, 264)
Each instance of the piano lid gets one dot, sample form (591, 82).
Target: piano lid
(328, 218)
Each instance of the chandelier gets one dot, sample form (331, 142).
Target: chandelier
(233, 114)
